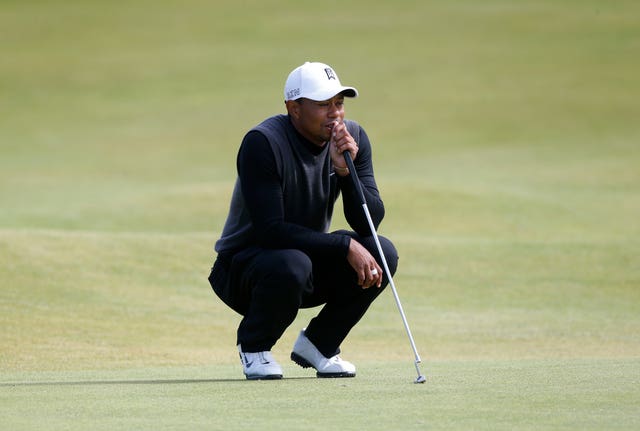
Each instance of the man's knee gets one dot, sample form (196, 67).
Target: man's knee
(290, 269)
(390, 253)
(292, 266)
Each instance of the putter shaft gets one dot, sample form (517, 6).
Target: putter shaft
(365, 208)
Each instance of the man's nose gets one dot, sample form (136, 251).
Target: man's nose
(334, 111)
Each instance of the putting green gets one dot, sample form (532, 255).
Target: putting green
(505, 141)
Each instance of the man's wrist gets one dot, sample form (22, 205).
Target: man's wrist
(343, 172)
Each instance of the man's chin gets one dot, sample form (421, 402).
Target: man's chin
(326, 137)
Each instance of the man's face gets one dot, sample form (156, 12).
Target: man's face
(315, 120)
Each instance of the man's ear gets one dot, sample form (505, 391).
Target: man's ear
(293, 108)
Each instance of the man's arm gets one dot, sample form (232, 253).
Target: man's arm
(261, 188)
(352, 203)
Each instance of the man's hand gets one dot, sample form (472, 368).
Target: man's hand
(365, 265)
(341, 141)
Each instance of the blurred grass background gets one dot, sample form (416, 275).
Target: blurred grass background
(505, 145)
(506, 149)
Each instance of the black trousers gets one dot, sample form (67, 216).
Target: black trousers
(268, 287)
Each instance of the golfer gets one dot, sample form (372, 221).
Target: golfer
(276, 254)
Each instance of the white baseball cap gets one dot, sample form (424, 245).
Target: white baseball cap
(315, 81)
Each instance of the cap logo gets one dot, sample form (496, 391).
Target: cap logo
(330, 74)
(292, 94)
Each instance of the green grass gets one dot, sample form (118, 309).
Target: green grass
(595, 395)
(506, 148)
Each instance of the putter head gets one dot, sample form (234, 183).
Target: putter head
(420, 379)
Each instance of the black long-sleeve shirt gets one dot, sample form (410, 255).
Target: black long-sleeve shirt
(286, 189)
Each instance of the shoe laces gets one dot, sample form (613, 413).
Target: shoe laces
(265, 357)
(261, 357)
(335, 359)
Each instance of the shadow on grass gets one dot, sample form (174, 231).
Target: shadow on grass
(139, 382)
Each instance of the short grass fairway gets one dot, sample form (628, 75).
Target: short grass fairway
(507, 150)
(523, 395)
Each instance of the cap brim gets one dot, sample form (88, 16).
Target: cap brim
(349, 92)
(326, 95)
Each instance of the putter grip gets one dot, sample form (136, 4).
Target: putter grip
(354, 176)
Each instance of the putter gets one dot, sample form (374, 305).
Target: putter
(358, 186)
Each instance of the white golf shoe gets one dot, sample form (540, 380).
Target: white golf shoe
(307, 355)
(259, 365)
